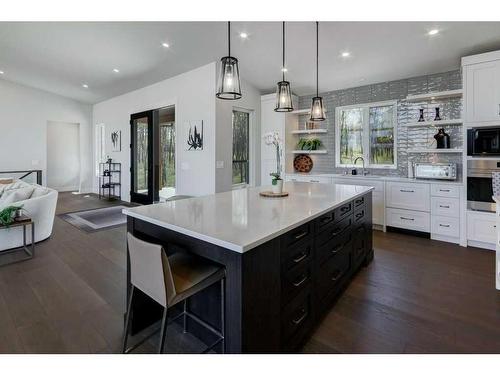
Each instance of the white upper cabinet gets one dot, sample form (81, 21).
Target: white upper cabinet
(482, 89)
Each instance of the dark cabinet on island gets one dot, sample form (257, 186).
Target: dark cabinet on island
(286, 260)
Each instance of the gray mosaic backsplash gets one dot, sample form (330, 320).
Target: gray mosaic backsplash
(407, 112)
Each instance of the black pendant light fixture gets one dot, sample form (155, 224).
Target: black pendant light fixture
(228, 84)
(317, 109)
(283, 90)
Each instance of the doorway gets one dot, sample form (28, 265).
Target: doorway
(152, 155)
(63, 156)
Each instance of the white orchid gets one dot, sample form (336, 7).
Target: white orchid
(274, 139)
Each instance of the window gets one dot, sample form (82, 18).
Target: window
(100, 146)
(368, 131)
(241, 141)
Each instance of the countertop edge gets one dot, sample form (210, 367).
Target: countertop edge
(232, 246)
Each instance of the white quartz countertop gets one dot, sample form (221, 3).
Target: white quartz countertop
(496, 198)
(241, 219)
(374, 178)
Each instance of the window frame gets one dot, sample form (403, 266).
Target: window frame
(366, 134)
(250, 153)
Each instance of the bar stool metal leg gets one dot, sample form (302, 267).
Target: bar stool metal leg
(163, 332)
(222, 312)
(127, 320)
(184, 318)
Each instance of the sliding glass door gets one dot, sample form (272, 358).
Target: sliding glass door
(142, 189)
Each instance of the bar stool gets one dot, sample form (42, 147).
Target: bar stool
(170, 280)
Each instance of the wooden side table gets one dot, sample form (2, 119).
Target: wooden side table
(22, 221)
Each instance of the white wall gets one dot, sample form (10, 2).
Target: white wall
(250, 100)
(193, 94)
(63, 156)
(24, 113)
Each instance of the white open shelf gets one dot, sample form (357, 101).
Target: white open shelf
(436, 150)
(309, 131)
(309, 151)
(436, 95)
(301, 111)
(434, 123)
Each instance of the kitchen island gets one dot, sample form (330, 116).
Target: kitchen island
(286, 259)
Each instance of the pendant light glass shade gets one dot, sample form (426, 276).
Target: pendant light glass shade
(283, 89)
(317, 108)
(228, 83)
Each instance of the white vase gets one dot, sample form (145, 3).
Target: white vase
(278, 188)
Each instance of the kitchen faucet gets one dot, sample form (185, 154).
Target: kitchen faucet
(364, 173)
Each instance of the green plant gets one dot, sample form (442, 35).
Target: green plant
(7, 213)
(276, 177)
(308, 144)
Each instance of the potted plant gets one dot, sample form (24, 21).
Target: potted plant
(273, 139)
(308, 144)
(8, 214)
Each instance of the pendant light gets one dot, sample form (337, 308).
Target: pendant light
(317, 109)
(228, 84)
(283, 90)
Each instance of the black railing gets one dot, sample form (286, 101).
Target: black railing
(33, 172)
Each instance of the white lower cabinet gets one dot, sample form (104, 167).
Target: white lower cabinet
(408, 219)
(445, 226)
(482, 227)
(445, 206)
(409, 196)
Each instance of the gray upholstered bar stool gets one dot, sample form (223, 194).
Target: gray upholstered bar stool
(170, 280)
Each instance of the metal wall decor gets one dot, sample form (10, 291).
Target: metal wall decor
(228, 83)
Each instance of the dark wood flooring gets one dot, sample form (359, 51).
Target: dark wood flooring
(417, 296)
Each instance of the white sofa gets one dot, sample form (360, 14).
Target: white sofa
(40, 205)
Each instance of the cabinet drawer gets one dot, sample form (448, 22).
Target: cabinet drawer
(343, 211)
(297, 234)
(333, 247)
(296, 254)
(332, 272)
(324, 220)
(294, 281)
(481, 226)
(359, 245)
(406, 219)
(359, 202)
(378, 185)
(359, 215)
(410, 196)
(296, 315)
(448, 191)
(445, 226)
(445, 206)
(333, 231)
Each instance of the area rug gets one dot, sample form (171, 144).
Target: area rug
(96, 219)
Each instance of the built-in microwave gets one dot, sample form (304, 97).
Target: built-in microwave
(483, 141)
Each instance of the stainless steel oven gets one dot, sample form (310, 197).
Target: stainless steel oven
(480, 184)
(483, 141)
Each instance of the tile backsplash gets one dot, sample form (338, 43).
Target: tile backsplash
(407, 112)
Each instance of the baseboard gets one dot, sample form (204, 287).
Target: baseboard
(482, 245)
(439, 237)
(63, 189)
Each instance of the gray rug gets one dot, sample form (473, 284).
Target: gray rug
(97, 219)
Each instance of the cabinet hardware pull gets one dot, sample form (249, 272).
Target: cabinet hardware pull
(338, 231)
(444, 206)
(325, 220)
(406, 218)
(445, 190)
(300, 258)
(444, 225)
(314, 181)
(300, 235)
(297, 321)
(406, 191)
(302, 281)
(360, 214)
(345, 208)
(337, 276)
(337, 249)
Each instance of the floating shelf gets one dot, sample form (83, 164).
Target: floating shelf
(309, 151)
(433, 123)
(436, 95)
(436, 150)
(309, 131)
(301, 111)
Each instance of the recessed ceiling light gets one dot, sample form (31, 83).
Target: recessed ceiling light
(433, 32)
(85, 86)
(166, 45)
(116, 70)
(1, 71)
(284, 70)
(243, 35)
(346, 54)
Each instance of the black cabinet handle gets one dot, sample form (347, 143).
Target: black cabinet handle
(337, 276)
(301, 281)
(301, 257)
(325, 220)
(345, 208)
(338, 231)
(444, 206)
(299, 320)
(360, 214)
(337, 249)
(300, 235)
(444, 225)
(406, 218)
(406, 191)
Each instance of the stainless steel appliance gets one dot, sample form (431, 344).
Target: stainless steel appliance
(480, 184)
(483, 141)
(435, 171)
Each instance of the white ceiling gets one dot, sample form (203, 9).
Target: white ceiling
(60, 57)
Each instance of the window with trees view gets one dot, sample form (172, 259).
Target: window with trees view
(241, 141)
(369, 131)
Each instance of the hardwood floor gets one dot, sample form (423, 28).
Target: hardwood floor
(417, 296)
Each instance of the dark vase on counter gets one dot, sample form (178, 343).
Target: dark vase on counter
(442, 139)
(437, 118)
(421, 118)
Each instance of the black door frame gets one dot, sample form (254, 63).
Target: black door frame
(153, 153)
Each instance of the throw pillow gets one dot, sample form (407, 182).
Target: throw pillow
(16, 195)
